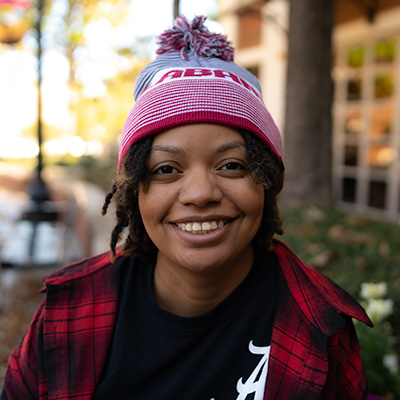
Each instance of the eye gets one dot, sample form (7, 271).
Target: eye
(233, 169)
(165, 170)
(232, 165)
(165, 173)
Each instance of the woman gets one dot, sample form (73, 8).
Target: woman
(200, 302)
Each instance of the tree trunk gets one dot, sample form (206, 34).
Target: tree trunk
(176, 9)
(309, 96)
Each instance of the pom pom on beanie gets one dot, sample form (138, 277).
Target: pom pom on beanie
(194, 37)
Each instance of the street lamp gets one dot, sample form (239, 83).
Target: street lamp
(38, 190)
(39, 209)
(14, 23)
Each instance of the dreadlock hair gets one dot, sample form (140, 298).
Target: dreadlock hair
(264, 169)
(267, 170)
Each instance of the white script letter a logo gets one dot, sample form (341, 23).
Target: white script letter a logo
(252, 385)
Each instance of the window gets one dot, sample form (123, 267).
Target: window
(380, 156)
(350, 155)
(367, 125)
(382, 120)
(349, 190)
(354, 123)
(377, 194)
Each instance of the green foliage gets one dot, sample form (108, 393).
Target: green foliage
(376, 343)
(351, 250)
(379, 357)
(348, 248)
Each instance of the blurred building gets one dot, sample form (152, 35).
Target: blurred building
(366, 72)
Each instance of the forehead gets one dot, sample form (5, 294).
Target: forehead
(209, 136)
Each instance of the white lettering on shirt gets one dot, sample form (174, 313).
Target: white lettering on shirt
(256, 381)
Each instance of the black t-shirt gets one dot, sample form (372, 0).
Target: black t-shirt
(220, 355)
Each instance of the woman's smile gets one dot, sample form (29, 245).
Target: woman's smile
(201, 227)
(203, 234)
(203, 224)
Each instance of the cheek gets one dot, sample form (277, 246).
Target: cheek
(252, 200)
(153, 204)
(143, 202)
(258, 206)
(255, 211)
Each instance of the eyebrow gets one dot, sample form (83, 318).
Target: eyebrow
(179, 150)
(168, 149)
(230, 146)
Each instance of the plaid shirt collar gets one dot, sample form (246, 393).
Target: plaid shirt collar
(319, 298)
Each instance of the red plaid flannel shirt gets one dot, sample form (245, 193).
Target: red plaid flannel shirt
(314, 353)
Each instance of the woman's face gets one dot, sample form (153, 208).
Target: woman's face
(202, 208)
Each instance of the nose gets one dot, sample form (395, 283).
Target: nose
(200, 188)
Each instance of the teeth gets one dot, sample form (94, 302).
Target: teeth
(196, 227)
(204, 227)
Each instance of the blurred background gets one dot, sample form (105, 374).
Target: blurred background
(329, 73)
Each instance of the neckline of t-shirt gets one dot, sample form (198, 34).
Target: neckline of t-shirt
(224, 310)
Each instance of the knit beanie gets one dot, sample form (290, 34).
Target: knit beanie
(194, 80)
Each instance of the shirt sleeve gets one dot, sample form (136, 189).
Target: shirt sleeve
(346, 379)
(25, 364)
